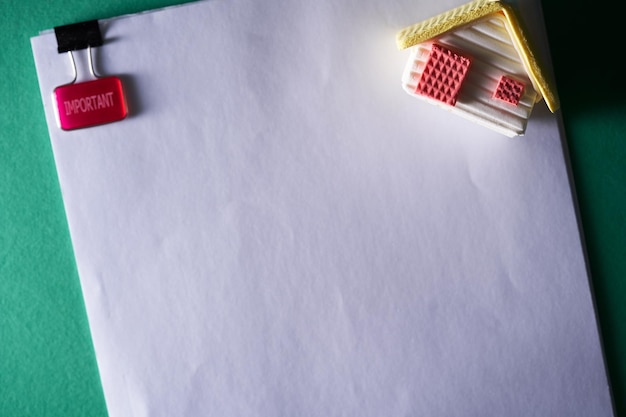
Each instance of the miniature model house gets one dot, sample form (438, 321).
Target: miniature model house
(475, 61)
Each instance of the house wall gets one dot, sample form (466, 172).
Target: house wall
(487, 43)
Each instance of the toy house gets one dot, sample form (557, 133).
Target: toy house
(475, 61)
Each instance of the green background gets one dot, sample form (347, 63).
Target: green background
(47, 364)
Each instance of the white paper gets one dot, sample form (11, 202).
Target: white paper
(277, 229)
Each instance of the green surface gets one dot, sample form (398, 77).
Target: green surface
(589, 69)
(47, 365)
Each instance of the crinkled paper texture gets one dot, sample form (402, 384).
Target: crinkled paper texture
(277, 229)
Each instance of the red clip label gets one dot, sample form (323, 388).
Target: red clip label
(90, 103)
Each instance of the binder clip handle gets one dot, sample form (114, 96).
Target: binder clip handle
(77, 36)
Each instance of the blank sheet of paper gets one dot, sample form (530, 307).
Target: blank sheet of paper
(278, 229)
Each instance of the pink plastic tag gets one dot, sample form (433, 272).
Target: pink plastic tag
(90, 103)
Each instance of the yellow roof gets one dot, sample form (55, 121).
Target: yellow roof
(470, 12)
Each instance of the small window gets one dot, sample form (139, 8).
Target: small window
(443, 75)
(509, 90)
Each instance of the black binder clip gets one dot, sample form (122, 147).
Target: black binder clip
(96, 101)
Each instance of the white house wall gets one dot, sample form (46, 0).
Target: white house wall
(487, 43)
